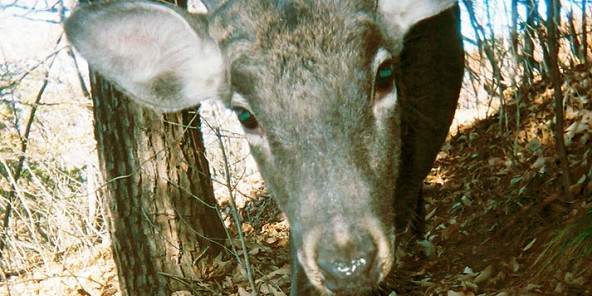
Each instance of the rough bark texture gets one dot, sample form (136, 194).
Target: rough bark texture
(160, 198)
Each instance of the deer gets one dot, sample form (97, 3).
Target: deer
(344, 104)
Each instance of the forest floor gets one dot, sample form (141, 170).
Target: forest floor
(497, 215)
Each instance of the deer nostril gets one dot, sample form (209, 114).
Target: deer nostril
(338, 275)
(348, 266)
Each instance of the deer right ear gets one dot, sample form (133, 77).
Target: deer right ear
(403, 14)
(151, 51)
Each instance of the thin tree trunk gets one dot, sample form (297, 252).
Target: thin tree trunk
(552, 62)
(517, 61)
(528, 53)
(584, 43)
(573, 36)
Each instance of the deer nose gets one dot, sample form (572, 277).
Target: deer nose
(348, 264)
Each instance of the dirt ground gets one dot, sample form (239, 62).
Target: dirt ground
(501, 220)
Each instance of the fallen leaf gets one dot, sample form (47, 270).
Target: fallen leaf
(484, 274)
(243, 292)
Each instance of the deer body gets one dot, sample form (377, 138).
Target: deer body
(316, 86)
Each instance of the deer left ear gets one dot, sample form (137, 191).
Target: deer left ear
(153, 52)
(403, 14)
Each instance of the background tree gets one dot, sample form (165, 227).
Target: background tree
(529, 62)
(551, 53)
(486, 43)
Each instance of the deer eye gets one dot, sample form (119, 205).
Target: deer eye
(385, 79)
(246, 118)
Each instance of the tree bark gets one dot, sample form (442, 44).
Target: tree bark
(160, 202)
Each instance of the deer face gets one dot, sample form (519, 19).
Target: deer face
(313, 84)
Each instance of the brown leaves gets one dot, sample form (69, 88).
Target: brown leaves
(495, 201)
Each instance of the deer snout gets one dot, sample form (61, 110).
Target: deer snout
(349, 260)
(350, 265)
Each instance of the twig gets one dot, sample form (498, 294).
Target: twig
(234, 211)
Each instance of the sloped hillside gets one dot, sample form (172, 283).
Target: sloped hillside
(498, 215)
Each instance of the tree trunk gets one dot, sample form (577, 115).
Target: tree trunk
(162, 212)
(552, 57)
(573, 37)
(530, 64)
(584, 43)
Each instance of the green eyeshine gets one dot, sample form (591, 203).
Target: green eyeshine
(385, 73)
(384, 79)
(246, 118)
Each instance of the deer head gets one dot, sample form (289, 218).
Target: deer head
(313, 84)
